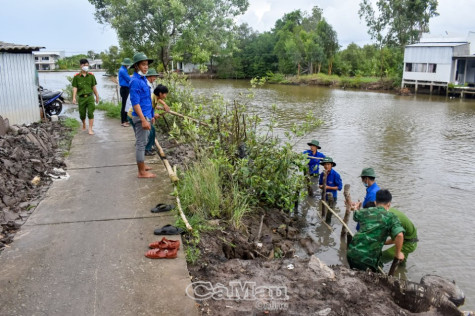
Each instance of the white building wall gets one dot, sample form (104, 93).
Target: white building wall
(442, 75)
(18, 91)
(442, 56)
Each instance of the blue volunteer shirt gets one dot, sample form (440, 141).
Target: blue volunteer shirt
(370, 194)
(124, 78)
(140, 94)
(333, 180)
(314, 164)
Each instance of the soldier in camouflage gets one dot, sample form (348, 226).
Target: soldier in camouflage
(376, 225)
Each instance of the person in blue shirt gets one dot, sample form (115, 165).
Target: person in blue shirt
(124, 82)
(333, 183)
(314, 157)
(143, 113)
(368, 177)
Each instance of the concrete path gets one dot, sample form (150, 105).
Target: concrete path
(82, 250)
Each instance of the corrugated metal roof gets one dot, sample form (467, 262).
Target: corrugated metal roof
(12, 48)
(448, 44)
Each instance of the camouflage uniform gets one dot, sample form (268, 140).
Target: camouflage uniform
(377, 224)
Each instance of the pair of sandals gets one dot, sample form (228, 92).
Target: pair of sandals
(163, 249)
(159, 208)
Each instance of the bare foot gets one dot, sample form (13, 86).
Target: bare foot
(146, 175)
(84, 127)
(147, 168)
(91, 132)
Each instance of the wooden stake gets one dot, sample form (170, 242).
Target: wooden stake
(260, 228)
(346, 193)
(324, 190)
(339, 218)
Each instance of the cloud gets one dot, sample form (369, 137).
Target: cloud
(259, 8)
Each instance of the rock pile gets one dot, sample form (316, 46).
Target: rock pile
(27, 155)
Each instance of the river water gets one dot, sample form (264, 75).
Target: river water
(421, 147)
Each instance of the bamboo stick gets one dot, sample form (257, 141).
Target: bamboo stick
(346, 193)
(171, 173)
(184, 116)
(183, 217)
(339, 218)
(321, 218)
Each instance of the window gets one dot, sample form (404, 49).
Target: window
(409, 67)
(419, 67)
(45, 58)
(432, 68)
(36, 58)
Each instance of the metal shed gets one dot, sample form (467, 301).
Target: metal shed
(18, 88)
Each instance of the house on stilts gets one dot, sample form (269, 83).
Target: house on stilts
(444, 63)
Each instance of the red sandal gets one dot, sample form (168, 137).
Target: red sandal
(162, 253)
(165, 244)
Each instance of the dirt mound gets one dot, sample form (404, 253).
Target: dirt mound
(242, 272)
(28, 157)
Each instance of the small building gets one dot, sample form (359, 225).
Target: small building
(47, 60)
(95, 64)
(439, 61)
(18, 83)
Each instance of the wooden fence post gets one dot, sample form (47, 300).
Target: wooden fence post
(346, 193)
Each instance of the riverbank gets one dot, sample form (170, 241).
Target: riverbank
(334, 81)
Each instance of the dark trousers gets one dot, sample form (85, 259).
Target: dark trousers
(124, 94)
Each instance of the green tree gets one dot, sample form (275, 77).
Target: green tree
(91, 54)
(172, 29)
(397, 22)
(111, 60)
(329, 40)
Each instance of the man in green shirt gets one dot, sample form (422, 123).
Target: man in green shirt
(84, 85)
(376, 225)
(410, 238)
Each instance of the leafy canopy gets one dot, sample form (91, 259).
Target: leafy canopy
(397, 22)
(166, 29)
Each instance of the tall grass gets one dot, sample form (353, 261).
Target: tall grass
(200, 189)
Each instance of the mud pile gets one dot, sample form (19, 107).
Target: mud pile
(281, 283)
(28, 158)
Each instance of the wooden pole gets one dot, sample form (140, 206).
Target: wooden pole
(182, 215)
(394, 266)
(324, 189)
(338, 217)
(331, 202)
(184, 116)
(171, 173)
(346, 193)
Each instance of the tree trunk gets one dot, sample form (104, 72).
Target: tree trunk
(330, 65)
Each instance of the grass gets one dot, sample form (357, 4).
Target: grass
(112, 109)
(73, 126)
(200, 189)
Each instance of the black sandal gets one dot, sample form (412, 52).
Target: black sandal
(168, 230)
(162, 208)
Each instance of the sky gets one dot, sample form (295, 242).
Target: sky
(70, 26)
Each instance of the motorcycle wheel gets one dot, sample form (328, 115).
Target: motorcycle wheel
(54, 108)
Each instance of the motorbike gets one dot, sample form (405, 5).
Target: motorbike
(52, 101)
